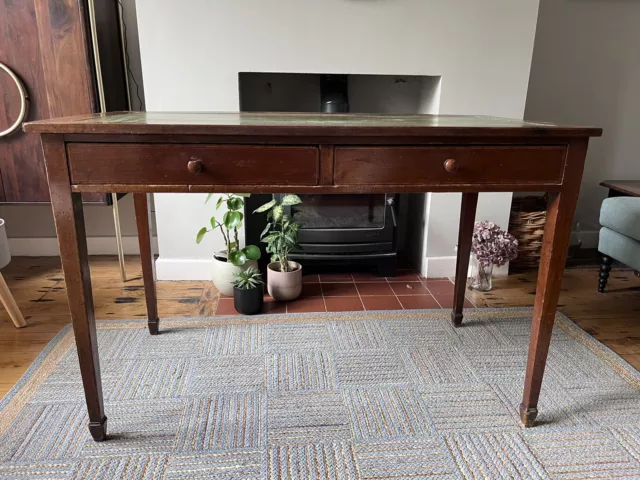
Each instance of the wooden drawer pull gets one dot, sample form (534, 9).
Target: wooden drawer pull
(451, 165)
(195, 166)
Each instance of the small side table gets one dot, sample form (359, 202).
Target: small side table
(622, 188)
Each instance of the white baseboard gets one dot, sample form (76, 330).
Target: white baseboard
(183, 269)
(439, 267)
(48, 246)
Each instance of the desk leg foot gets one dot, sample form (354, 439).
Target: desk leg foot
(456, 318)
(154, 326)
(528, 415)
(98, 430)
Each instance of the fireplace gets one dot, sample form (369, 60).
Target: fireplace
(341, 229)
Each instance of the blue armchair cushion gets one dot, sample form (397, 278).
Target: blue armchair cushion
(620, 247)
(622, 215)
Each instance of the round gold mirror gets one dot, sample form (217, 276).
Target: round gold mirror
(24, 100)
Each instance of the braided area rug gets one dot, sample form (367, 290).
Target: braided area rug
(374, 395)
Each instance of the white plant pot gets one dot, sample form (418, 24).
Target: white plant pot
(223, 274)
(284, 286)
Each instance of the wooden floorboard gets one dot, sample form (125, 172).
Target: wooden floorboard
(37, 283)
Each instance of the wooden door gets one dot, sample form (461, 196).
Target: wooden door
(48, 45)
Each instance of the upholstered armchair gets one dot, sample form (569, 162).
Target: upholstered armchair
(619, 235)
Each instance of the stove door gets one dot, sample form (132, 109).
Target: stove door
(343, 218)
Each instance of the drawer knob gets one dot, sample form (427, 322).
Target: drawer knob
(195, 166)
(451, 165)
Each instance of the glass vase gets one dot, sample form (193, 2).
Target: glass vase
(481, 276)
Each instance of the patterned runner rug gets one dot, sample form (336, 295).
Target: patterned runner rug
(375, 395)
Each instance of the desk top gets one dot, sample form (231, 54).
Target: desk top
(227, 123)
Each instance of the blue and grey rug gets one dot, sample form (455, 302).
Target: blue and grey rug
(375, 395)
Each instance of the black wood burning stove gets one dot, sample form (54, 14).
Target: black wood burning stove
(348, 228)
(341, 229)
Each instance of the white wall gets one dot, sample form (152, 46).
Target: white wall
(192, 51)
(586, 70)
(31, 229)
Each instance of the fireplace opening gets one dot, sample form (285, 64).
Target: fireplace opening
(342, 230)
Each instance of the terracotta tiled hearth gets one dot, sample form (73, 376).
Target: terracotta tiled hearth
(340, 292)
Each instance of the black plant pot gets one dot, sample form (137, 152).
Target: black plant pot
(248, 301)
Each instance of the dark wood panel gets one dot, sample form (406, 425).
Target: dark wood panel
(23, 172)
(65, 58)
(448, 165)
(47, 44)
(192, 164)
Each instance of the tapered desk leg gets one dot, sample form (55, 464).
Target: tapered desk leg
(557, 232)
(467, 219)
(143, 221)
(69, 219)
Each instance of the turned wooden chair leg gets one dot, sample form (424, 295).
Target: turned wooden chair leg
(10, 304)
(605, 268)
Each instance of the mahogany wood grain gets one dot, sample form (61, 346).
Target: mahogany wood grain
(428, 165)
(555, 244)
(169, 164)
(465, 231)
(321, 138)
(490, 155)
(294, 125)
(326, 164)
(69, 220)
(143, 222)
(316, 189)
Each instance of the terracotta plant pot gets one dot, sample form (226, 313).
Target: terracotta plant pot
(284, 286)
(224, 273)
(248, 301)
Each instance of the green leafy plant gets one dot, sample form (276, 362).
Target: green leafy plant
(248, 279)
(281, 232)
(231, 222)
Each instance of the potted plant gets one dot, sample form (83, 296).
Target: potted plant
(489, 246)
(248, 291)
(284, 277)
(227, 263)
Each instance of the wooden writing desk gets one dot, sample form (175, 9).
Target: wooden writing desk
(307, 153)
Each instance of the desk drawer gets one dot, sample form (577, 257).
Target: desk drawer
(171, 164)
(448, 165)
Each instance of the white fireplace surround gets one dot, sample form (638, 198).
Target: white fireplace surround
(193, 50)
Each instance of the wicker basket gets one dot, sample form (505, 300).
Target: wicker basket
(526, 223)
